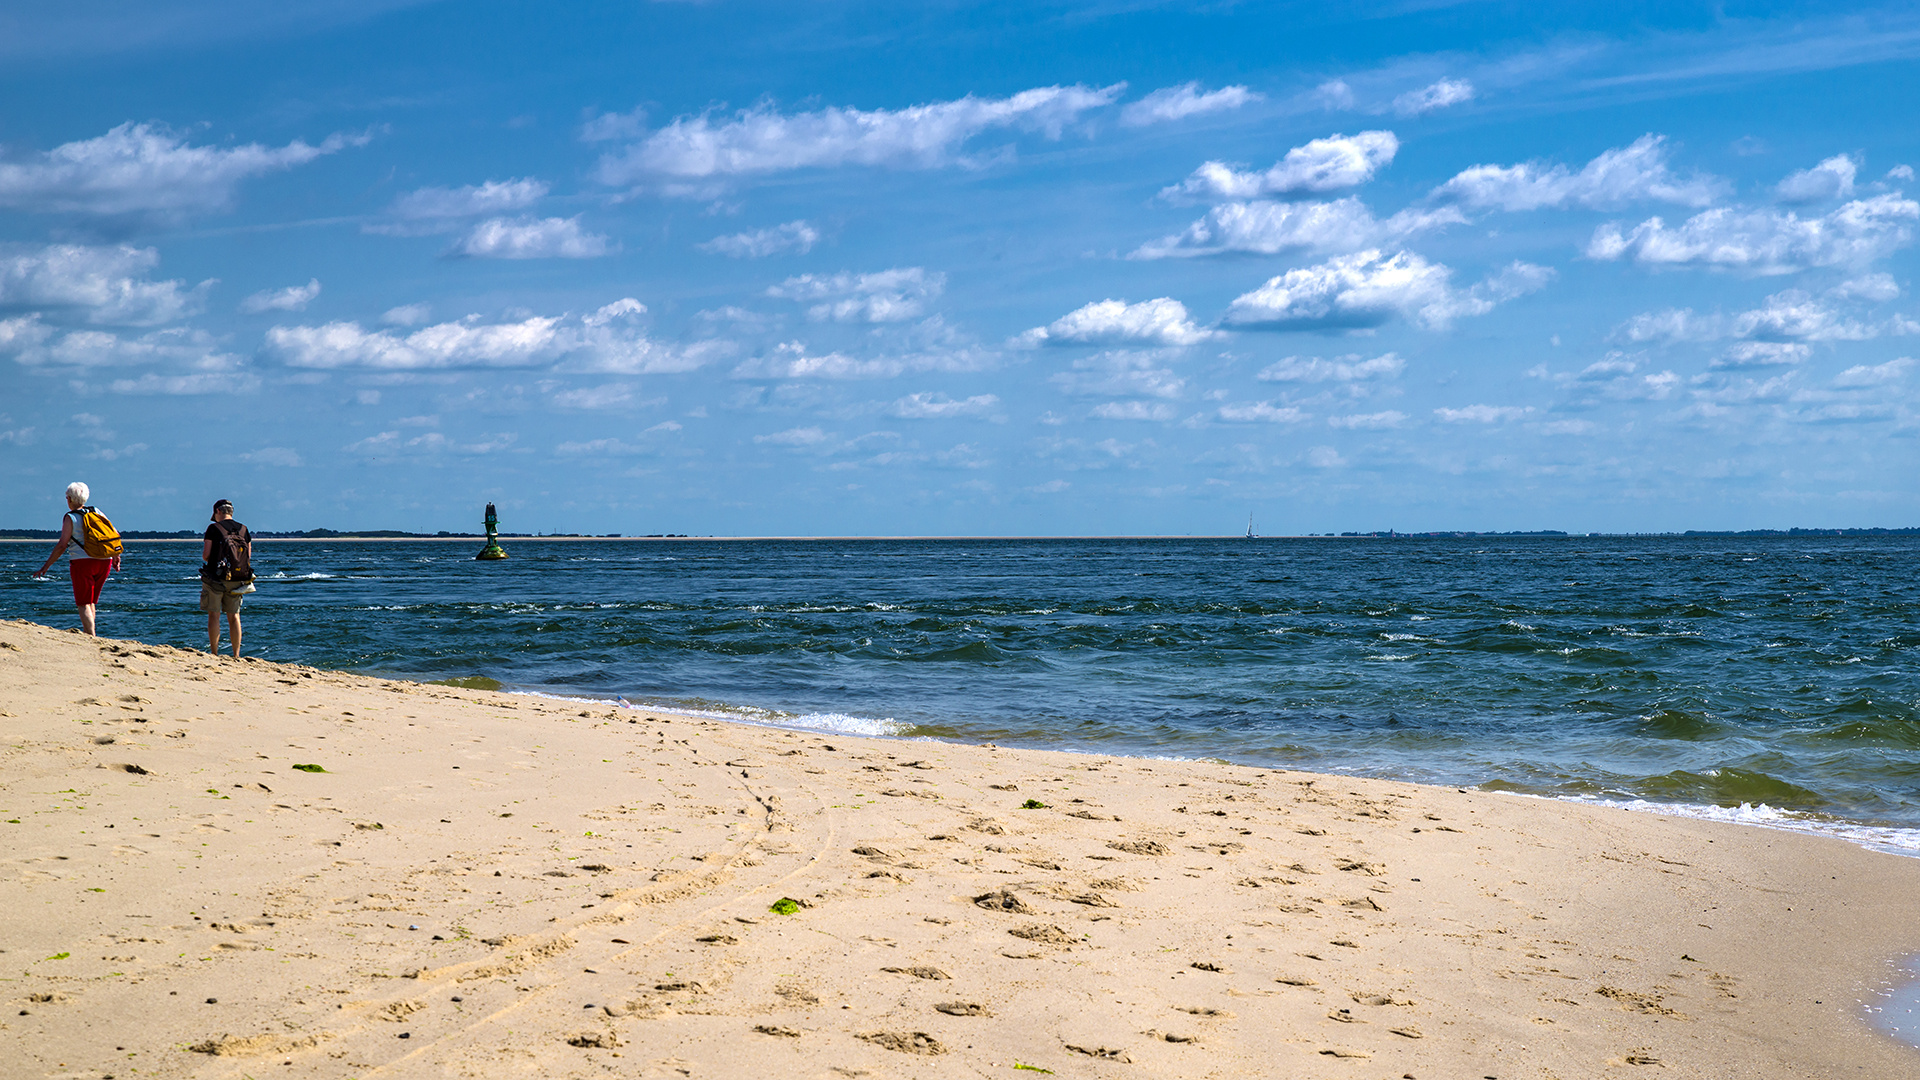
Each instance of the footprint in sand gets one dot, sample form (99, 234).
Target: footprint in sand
(1003, 900)
(905, 1042)
(919, 972)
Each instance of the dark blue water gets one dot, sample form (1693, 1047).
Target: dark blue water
(1697, 672)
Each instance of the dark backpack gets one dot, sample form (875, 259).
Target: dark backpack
(230, 561)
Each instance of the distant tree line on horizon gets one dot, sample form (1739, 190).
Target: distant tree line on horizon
(333, 534)
(1383, 534)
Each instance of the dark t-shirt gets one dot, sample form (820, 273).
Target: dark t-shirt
(212, 536)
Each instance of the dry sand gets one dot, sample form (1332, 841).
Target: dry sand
(487, 885)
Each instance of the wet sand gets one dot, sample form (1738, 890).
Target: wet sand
(490, 885)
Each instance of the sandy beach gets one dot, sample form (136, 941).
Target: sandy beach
(220, 868)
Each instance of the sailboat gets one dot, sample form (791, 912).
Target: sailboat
(1250, 535)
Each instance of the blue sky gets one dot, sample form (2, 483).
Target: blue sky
(1046, 268)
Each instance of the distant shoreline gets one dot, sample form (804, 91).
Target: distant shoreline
(39, 536)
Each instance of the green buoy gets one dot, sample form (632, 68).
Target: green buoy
(493, 550)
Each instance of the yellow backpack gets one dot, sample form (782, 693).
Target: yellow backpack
(97, 536)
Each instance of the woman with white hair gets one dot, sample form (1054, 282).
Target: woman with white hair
(88, 573)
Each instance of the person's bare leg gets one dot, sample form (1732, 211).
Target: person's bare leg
(233, 631)
(213, 633)
(86, 618)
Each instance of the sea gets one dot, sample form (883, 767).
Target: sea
(1773, 681)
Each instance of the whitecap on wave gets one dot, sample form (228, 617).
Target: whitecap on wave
(840, 723)
(1892, 840)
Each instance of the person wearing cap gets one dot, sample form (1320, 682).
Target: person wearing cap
(226, 574)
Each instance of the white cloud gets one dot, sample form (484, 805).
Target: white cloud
(1766, 241)
(1333, 94)
(1350, 368)
(291, 298)
(388, 444)
(1262, 412)
(1120, 373)
(21, 334)
(936, 406)
(607, 340)
(1795, 315)
(1874, 287)
(107, 453)
(1831, 179)
(762, 140)
(1179, 102)
(1367, 289)
(193, 384)
(1380, 421)
(1325, 457)
(530, 238)
(33, 344)
(407, 315)
(887, 296)
(281, 456)
(1482, 414)
(107, 283)
(447, 345)
(1615, 376)
(1271, 228)
(473, 200)
(800, 436)
(1161, 321)
(1132, 410)
(1867, 375)
(140, 169)
(1440, 95)
(789, 360)
(1322, 165)
(1635, 173)
(1901, 172)
(797, 237)
(612, 341)
(609, 127)
(612, 447)
(1760, 354)
(608, 396)
(1788, 315)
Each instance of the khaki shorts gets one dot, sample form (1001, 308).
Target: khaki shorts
(214, 601)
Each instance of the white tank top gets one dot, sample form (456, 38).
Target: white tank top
(77, 550)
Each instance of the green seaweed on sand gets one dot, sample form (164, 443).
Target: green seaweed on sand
(471, 682)
(1033, 804)
(309, 768)
(786, 905)
(1033, 1068)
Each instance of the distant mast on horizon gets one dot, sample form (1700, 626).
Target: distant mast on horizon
(1250, 533)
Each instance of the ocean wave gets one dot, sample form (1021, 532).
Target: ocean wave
(839, 723)
(315, 576)
(1886, 838)
(846, 725)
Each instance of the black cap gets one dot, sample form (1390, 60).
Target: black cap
(223, 504)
